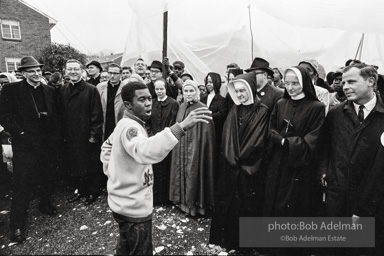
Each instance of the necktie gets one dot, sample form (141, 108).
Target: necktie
(360, 115)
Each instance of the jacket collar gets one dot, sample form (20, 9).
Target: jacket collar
(128, 114)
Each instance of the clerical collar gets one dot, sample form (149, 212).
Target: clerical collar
(74, 83)
(34, 86)
(299, 96)
(113, 85)
(163, 99)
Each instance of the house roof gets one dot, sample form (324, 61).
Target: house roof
(109, 58)
(52, 21)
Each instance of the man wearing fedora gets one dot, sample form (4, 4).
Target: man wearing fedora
(29, 113)
(156, 69)
(268, 94)
(94, 70)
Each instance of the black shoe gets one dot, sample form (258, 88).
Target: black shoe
(75, 198)
(17, 235)
(91, 198)
(47, 208)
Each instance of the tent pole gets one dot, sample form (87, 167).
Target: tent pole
(165, 39)
(361, 47)
(250, 28)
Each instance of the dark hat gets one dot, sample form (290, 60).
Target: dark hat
(233, 65)
(313, 63)
(29, 62)
(156, 64)
(186, 74)
(352, 60)
(179, 63)
(96, 64)
(259, 63)
(338, 72)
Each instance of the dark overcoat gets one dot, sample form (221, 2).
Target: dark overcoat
(19, 116)
(82, 116)
(355, 166)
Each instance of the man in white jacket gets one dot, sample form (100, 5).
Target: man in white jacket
(127, 156)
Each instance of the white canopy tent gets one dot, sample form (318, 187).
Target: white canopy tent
(207, 35)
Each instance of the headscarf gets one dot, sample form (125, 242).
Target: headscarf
(249, 80)
(216, 81)
(195, 86)
(305, 82)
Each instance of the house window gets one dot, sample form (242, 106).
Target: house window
(10, 29)
(12, 64)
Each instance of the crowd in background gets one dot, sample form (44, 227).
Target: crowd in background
(298, 142)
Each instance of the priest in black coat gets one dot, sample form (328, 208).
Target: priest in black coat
(82, 116)
(29, 113)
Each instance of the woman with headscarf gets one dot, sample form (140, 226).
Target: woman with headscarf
(216, 103)
(295, 125)
(192, 166)
(240, 189)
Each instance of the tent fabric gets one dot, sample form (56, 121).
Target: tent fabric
(208, 35)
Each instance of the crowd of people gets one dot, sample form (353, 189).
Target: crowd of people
(258, 142)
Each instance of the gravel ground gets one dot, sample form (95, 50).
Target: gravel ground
(79, 229)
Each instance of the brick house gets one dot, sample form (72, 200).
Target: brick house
(24, 31)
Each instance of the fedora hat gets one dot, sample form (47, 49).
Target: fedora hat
(29, 62)
(156, 64)
(260, 63)
(96, 64)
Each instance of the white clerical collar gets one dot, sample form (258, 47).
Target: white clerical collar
(34, 86)
(299, 96)
(163, 99)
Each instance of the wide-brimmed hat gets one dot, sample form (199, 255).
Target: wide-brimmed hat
(96, 64)
(29, 62)
(156, 64)
(260, 63)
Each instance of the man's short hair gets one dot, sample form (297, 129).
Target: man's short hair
(160, 79)
(114, 65)
(128, 90)
(74, 61)
(233, 65)
(366, 71)
(127, 68)
(138, 60)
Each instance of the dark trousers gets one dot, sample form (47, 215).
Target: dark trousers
(135, 237)
(87, 185)
(34, 171)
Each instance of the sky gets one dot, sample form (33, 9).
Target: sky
(90, 26)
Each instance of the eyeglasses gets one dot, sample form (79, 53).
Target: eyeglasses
(155, 71)
(177, 68)
(113, 73)
(31, 72)
(286, 84)
(73, 69)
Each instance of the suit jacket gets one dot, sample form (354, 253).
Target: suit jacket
(119, 104)
(269, 95)
(20, 117)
